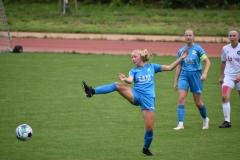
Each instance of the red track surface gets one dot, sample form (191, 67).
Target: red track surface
(109, 46)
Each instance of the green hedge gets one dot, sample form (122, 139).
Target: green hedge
(199, 3)
(208, 4)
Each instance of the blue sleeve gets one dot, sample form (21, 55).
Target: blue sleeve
(131, 72)
(157, 67)
(200, 51)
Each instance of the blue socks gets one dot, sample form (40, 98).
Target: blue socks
(181, 112)
(203, 112)
(106, 89)
(148, 139)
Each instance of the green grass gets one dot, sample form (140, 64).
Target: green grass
(103, 19)
(44, 91)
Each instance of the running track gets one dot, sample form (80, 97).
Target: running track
(108, 46)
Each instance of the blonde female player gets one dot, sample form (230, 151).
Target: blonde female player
(143, 92)
(230, 66)
(189, 75)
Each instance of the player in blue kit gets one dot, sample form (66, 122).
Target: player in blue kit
(189, 75)
(143, 92)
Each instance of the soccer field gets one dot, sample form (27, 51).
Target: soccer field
(44, 91)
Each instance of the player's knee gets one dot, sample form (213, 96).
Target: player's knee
(199, 104)
(118, 84)
(225, 98)
(149, 126)
(181, 100)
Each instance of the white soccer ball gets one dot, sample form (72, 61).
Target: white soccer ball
(23, 132)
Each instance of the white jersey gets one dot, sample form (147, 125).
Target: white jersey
(232, 58)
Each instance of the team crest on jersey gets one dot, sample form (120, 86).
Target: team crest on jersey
(194, 52)
(238, 52)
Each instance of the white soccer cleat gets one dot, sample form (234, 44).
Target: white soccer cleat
(205, 123)
(179, 127)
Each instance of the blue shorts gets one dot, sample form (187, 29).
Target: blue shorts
(144, 101)
(190, 79)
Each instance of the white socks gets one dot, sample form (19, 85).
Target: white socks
(226, 111)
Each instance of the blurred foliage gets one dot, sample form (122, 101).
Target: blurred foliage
(188, 4)
(126, 19)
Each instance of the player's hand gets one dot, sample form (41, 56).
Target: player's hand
(121, 77)
(184, 54)
(175, 86)
(237, 79)
(203, 77)
(220, 81)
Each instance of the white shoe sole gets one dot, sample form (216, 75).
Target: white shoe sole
(178, 128)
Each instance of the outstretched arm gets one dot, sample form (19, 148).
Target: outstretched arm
(123, 78)
(175, 63)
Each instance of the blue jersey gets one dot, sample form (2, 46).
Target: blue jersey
(144, 81)
(192, 62)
